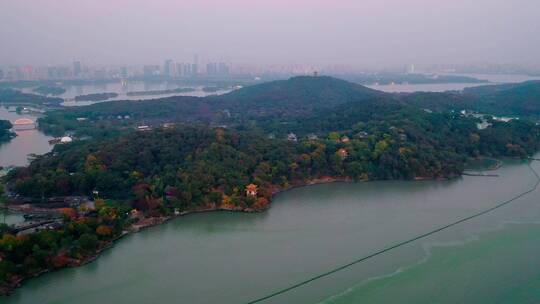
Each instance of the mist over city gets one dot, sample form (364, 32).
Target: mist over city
(254, 34)
(256, 151)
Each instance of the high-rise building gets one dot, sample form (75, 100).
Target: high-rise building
(124, 72)
(215, 68)
(223, 69)
(194, 69)
(410, 69)
(180, 70)
(168, 68)
(195, 66)
(77, 69)
(58, 72)
(185, 70)
(211, 68)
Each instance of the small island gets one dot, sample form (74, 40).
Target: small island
(96, 97)
(213, 89)
(160, 92)
(48, 90)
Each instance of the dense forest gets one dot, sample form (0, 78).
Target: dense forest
(519, 99)
(379, 136)
(284, 101)
(196, 161)
(286, 106)
(5, 131)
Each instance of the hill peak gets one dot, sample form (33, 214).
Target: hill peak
(324, 90)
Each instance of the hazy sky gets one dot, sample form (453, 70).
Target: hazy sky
(360, 32)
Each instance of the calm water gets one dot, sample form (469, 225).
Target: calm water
(441, 87)
(232, 258)
(10, 218)
(122, 90)
(437, 87)
(16, 151)
(117, 87)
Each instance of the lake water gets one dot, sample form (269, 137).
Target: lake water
(436, 87)
(441, 87)
(10, 218)
(122, 90)
(132, 86)
(16, 151)
(233, 258)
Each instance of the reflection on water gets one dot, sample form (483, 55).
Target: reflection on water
(16, 151)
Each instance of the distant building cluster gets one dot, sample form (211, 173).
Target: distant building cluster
(78, 71)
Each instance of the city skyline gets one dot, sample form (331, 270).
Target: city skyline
(170, 68)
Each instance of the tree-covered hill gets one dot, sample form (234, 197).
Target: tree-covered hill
(302, 105)
(198, 161)
(521, 99)
(516, 99)
(299, 92)
(438, 102)
(492, 89)
(275, 102)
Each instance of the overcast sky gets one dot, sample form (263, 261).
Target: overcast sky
(356, 32)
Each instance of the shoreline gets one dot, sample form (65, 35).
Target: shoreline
(6, 289)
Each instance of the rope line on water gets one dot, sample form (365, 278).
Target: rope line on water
(465, 219)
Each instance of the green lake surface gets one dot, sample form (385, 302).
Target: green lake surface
(226, 257)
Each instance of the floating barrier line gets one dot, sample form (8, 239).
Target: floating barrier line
(468, 218)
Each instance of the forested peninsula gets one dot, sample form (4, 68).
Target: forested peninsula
(138, 163)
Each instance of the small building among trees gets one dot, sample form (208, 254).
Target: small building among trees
(251, 190)
(343, 153)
